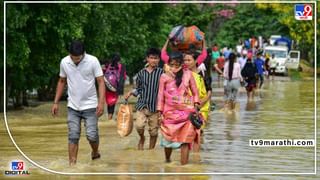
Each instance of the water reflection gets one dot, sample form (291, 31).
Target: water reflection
(251, 106)
(274, 114)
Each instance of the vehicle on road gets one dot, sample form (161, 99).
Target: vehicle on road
(285, 59)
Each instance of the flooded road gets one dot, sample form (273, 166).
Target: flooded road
(282, 110)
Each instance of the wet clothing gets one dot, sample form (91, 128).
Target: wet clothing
(176, 103)
(249, 75)
(202, 91)
(90, 123)
(82, 96)
(147, 89)
(112, 97)
(145, 117)
(232, 85)
(232, 89)
(251, 87)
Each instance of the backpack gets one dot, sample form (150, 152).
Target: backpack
(112, 77)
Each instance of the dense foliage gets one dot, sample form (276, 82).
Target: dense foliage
(37, 35)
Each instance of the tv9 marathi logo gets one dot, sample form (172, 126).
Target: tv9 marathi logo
(303, 12)
(17, 168)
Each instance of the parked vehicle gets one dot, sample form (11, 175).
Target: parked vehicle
(283, 41)
(284, 56)
(273, 38)
(285, 59)
(293, 60)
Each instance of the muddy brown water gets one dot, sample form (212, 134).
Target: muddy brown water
(283, 109)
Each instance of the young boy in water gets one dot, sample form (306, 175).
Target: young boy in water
(147, 87)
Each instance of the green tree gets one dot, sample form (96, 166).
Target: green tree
(123, 28)
(18, 50)
(248, 22)
(38, 36)
(33, 56)
(302, 32)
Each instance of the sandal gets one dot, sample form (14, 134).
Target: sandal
(96, 157)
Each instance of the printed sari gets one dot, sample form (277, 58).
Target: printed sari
(176, 103)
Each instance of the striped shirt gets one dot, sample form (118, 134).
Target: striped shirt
(147, 88)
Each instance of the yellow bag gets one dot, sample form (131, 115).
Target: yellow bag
(124, 120)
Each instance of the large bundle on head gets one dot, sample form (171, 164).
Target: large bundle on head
(182, 38)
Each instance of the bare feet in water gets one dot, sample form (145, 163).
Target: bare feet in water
(141, 143)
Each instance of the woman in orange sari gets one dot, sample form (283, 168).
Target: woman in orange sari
(175, 103)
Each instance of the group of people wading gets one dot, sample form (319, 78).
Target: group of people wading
(166, 96)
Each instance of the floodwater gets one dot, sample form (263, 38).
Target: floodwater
(283, 109)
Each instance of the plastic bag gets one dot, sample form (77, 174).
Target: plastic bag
(124, 119)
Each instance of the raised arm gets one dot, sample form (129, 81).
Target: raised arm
(164, 54)
(202, 57)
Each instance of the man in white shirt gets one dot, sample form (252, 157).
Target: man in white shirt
(80, 71)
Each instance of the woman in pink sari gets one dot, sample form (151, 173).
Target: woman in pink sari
(175, 103)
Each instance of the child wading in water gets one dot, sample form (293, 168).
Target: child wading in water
(175, 103)
(147, 86)
(114, 67)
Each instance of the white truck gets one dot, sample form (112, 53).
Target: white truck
(273, 38)
(285, 59)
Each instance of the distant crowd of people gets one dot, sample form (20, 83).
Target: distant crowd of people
(249, 67)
